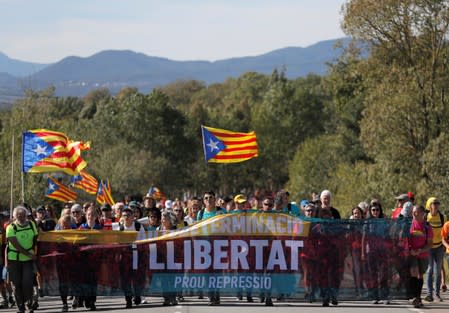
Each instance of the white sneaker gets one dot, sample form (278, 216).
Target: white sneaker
(385, 301)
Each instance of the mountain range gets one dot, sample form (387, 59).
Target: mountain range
(116, 69)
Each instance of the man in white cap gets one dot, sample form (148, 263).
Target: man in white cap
(403, 208)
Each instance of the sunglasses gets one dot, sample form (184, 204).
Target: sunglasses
(375, 210)
(73, 212)
(268, 204)
(308, 210)
(207, 197)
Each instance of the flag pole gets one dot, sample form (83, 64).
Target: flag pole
(22, 176)
(12, 177)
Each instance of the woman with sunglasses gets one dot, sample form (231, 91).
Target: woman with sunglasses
(309, 256)
(375, 252)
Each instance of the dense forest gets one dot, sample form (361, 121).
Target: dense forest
(372, 127)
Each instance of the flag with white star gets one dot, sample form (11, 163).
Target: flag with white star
(224, 146)
(49, 151)
(58, 191)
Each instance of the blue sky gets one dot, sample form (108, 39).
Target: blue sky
(48, 30)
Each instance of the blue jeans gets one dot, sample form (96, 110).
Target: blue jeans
(435, 263)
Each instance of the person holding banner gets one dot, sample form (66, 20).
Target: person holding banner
(132, 280)
(90, 267)
(210, 210)
(354, 238)
(168, 223)
(309, 257)
(375, 250)
(327, 258)
(64, 264)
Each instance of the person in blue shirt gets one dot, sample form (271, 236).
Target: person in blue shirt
(210, 210)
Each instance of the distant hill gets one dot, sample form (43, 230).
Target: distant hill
(76, 76)
(18, 68)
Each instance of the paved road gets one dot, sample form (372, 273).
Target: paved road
(193, 305)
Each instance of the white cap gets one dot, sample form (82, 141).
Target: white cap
(168, 204)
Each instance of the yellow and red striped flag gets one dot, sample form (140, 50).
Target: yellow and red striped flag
(104, 194)
(44, 150)
(58, 191)
(224, 146)
(86, 182)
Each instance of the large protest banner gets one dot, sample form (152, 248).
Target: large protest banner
(249, 252)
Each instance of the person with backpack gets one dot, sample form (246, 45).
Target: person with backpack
(21, 236)
(436, 220)
(131, 278)
(419, 244)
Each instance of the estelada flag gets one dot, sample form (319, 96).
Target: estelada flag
(86, 182)
(58, 191)
(224, 146)
(155, 193)
(104, 193)
(108, 193)
(49, 151)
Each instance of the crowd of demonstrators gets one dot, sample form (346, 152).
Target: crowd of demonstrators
(367, 244)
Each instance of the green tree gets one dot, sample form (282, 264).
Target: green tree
(405, 81)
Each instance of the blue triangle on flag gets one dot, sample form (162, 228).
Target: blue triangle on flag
(34, 149)
(52, 187)
(211, 144)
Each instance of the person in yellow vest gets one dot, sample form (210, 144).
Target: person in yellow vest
(21, 236)
(436, 219)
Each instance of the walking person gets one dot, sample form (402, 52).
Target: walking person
(375, 250)
(436, 219)
(21, 235)
(420, 242)
(132, 278)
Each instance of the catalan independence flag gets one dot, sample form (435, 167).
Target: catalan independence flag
(224, 146)
(49, 151)
(107, 193)
(58, 191)
(100, 193)
(155, 193)
(104, 194)
(86, 182)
